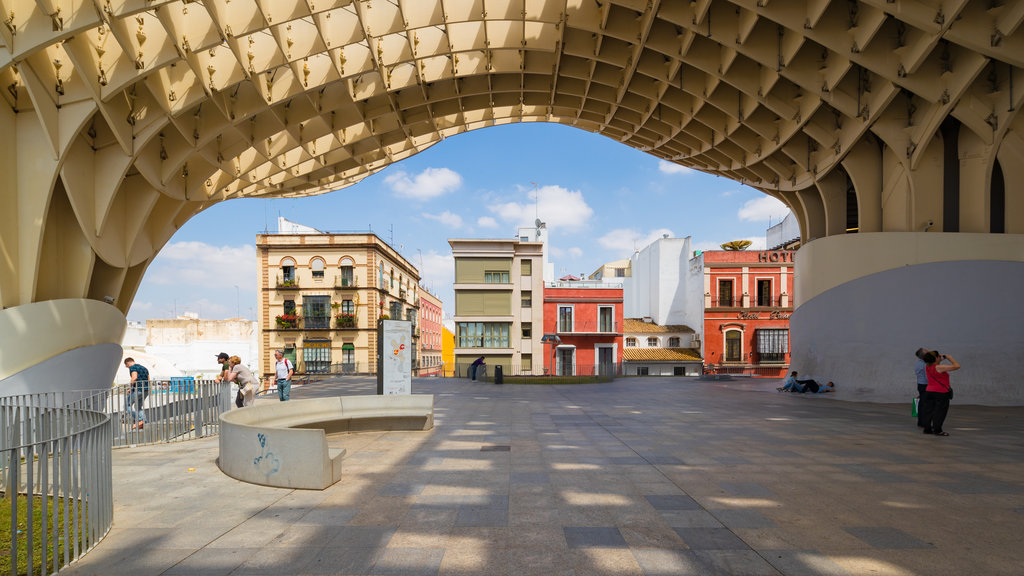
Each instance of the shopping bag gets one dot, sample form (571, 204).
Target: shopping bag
(913, 407)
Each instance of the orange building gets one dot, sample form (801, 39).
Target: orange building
(747, 304)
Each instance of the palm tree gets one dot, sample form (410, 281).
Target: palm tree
(737, 245)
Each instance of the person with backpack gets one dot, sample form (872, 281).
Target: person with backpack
(138, 392)
(283, 370)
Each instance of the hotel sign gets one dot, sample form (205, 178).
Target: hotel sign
(757, 316)
(786, 256)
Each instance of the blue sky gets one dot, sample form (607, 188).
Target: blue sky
(601, 200)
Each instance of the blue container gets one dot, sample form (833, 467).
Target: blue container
(183, 384)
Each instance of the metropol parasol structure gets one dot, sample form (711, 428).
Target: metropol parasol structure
(889, 127)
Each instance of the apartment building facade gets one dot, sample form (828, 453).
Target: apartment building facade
(499, 286)
(586, 317)
(748, 300)
(431, 315)
(321, 296)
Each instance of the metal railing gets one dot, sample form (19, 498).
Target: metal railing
(579, 373)
(56, 475)
(587, 327)
(344, 368)
(773, 371)
(342, 282)
(174, 412)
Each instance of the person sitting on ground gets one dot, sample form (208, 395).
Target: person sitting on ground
(792, 384)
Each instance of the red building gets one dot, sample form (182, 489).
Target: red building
(586, 317)
(747, 304)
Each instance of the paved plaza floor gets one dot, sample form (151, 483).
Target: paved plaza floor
(642, 476)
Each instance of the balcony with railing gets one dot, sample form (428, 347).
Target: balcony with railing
(589, 327)
(340, 282)
(287, 283)
(750, 302)
(316, 322)
(344, 320)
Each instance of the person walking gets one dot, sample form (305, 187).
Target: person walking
(939, 392)
(920, 371)
(283, 370)
(240, 374)
(137, 393)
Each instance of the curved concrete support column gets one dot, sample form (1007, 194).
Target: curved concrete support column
(832, 189)
(810, 199)
(976, 160)
(59, 345)
(864, 165)
(924, 187)
(865, 302)
(1010, 155)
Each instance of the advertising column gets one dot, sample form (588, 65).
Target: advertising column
(394, 357)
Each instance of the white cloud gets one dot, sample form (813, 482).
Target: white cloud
(575, 252)
(486, 222)
(763, 208)
(623, 240)
(670, 168)
(430, 183)
(453, 221)
(437, 270)
(202, 264)
(560, 208)
(555, 251)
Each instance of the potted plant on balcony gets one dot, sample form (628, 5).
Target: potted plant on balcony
(344, 320)
(287, 320)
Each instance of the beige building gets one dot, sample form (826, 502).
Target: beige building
(499, 312)
(321, 296)
(613, 271)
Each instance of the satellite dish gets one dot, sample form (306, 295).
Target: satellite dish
(537, 222)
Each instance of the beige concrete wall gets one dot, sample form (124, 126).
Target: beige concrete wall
(830, 262)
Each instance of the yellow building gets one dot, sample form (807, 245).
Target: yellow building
(448, 351)
(321, 296)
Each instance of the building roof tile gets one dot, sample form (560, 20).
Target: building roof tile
(639, 326)
(661, 355)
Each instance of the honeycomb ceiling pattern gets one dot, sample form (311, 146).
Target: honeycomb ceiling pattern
(130, 116)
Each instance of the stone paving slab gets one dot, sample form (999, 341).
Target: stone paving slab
(642, 476)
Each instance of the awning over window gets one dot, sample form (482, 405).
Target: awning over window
(348, 347)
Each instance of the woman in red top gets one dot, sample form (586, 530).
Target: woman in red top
(938, 391)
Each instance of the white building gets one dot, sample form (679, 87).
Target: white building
(663, 288)
(653, 350)
(188, 345)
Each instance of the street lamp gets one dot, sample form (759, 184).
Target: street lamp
(555, 341)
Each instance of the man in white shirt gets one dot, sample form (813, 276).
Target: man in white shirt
(283, 371)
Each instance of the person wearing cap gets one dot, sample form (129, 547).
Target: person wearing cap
(225, 366)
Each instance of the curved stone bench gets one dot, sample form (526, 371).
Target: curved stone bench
(284, 444)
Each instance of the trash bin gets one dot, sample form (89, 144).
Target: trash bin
(499, 378)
